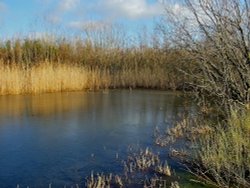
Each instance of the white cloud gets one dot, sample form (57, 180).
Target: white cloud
(88, 25)
(67, 5)
(183, 20)
(76, 24)
(54, 18)
(132, 9)
(60, 8)
(79, 14)
(183, 14)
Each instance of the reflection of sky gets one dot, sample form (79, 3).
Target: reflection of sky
(51, 137)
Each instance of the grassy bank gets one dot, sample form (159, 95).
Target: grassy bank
(217, 152)
(224, 157)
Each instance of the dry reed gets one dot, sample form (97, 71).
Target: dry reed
(55, 64)
(55, 77)
(45, 77)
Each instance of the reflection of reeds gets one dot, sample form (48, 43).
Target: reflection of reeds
(41, 105)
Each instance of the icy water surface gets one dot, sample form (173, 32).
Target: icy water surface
(60, 138)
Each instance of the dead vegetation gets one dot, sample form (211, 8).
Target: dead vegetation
(103, 181)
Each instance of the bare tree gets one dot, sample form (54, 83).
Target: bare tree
(216, 36)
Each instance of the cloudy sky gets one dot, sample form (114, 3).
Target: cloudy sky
(24, 16)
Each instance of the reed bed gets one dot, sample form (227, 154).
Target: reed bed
(55, 64)
(45, 77)
(54, 77)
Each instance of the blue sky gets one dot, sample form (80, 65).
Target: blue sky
(21, 17)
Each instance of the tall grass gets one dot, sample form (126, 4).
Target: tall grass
(45, 77)
(54, 77)
(224, 156)
(220, 149)
(51, 65)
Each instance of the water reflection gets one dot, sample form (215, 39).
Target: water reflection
(40, 105)
(59, 138)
